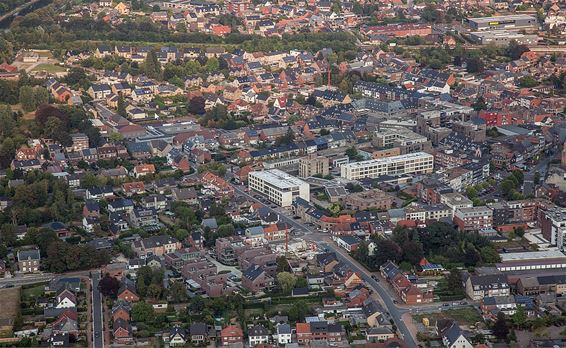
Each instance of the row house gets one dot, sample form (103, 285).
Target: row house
(307, 333)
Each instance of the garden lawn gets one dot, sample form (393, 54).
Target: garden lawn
(50, 68)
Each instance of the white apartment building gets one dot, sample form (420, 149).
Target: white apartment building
(278, 186)
(455, 201)
(412, 163)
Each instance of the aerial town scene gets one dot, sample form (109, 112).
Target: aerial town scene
(283, 173)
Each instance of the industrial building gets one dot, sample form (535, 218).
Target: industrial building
(278, 186)
(531, 260)
(413, 163)
(502, 38)
(511, 22)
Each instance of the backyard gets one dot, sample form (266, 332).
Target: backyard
(10, 304)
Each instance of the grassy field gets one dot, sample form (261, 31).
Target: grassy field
(33, 292)
(10, 304)
(464, 316)
(50, 68)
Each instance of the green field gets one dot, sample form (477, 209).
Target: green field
(34, 292)
(50, 68)
(464, 316)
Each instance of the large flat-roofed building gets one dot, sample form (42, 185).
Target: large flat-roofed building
(399, 30)
(413, 163)
(533, 260)
(512, 22)
(455, 201)
(278, 186)
(502, 38)
(406, 140)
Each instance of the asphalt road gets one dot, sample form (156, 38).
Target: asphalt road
(529, 179)
(26, 279)
(97, 323)
(311, 234)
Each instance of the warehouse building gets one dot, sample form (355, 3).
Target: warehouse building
(502, 38)
(278, 186)
(531, 260)
(512, 22)
(413, 163)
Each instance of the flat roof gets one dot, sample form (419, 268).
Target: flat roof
(501, 18)
(532, 255)
(388, 160)
(278, 178)
(499, 33)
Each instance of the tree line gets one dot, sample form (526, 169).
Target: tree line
(439, 242)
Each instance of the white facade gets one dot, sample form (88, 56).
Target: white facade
(455, 201)
(413, 163)
(284, 338)
(258, 340)
(278, 186)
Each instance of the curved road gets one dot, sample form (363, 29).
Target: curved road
(312, 235)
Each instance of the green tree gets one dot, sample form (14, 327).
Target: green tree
(178, 292)
(142, 312)
(286, 281)
(519, 318)
(474, 65)
(121, 106)
(500, 328)
(26, 98)
(154, 290)
(212, 64)
(454, 282)
(298, 311)
(480, 104)
(151, 66)
(40, 96)
(225, 230)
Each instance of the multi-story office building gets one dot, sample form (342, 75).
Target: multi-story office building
(313, 165)
(278, 186)
(413, 163)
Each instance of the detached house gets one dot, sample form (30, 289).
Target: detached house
(143, 169)
(66, 299)
(258, 335)
(451, 334)
(177, 337)
(28, 260)
(231, 335)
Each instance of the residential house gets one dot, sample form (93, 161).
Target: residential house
(29, 260)
(479, 286)
(127, 291)
(156, 245)
(231, 335)
(255, 279)
(258, 335)
(177, 337)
